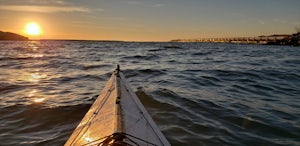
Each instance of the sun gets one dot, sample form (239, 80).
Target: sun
(33, 28)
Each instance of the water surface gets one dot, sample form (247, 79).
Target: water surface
(197, 93)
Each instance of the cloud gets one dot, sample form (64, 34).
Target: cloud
(43, 6)
(45, 9)
(34, 2)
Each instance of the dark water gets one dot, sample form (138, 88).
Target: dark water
(197, 93)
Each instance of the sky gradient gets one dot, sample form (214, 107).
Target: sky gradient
(150, 20)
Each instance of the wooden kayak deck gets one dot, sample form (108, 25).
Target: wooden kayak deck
(117, 117)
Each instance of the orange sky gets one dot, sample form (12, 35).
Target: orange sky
(141, 20)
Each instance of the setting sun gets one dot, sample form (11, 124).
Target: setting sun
(33, 28)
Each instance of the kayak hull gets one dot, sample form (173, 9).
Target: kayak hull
(117, 117)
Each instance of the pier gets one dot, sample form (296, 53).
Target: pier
(272, 40)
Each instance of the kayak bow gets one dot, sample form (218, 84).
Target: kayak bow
(117, 118)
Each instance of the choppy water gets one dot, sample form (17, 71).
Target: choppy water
(197, 93)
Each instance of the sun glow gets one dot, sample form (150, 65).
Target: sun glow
(33, 28)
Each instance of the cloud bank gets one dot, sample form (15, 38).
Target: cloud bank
(49, 6)
(44, 9)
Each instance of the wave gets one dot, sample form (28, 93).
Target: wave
(156, 50)
(29, 57)
(35, 125)
(202, 53)
(98, 66)
(78, 77)
(144, 72)
(17, 58)
(141, 57)
(6, 87)
(197, 93)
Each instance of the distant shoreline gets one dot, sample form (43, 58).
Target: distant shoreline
(287, 40)
(7, 36)
(78, 40)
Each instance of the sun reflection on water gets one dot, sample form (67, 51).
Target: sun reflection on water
(33, 46)
(35, 77)
(38, 100)
(32, 93)
(35, 97)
